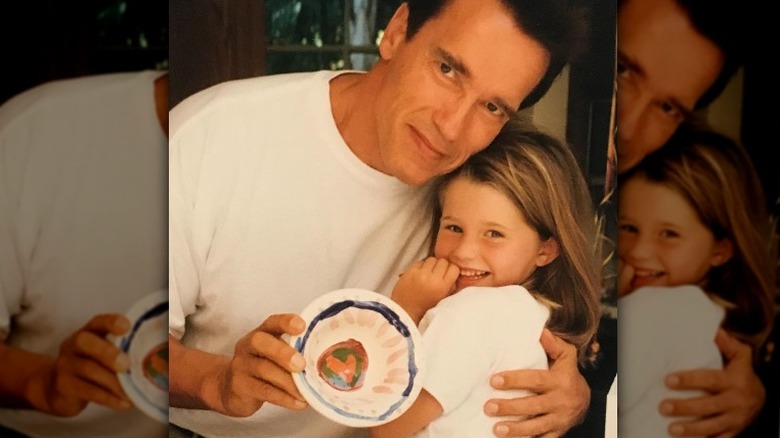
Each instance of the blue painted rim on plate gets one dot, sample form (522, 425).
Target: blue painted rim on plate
(149, 314)
(394, 320)
(158, 412)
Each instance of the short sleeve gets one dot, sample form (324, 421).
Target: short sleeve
(184, 261)
(466, 334)
(11, 166)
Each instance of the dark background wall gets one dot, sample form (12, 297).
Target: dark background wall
(43, 40)
(214, 41)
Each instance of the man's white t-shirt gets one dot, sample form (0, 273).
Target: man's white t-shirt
(662, 330)
(468, 337)
(83, 214)
(269, 209)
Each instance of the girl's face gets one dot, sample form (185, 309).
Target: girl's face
(486, 236)
(661, 239)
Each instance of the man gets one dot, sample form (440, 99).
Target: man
(674, 57)
(284, 188)
(82, 227)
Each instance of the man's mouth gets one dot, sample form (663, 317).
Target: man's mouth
(425, 146)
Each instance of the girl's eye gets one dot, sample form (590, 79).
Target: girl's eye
(669, 234)
(453, 228)
(627, 228)
(494, 233)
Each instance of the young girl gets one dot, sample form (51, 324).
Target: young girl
(692, 225)
(513, 228)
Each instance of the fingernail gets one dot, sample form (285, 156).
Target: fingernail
(502, 430)
(299, 404)
(676, 430)
(491, 408)
(672, 381)
(497, 381)
(124, 404)
(297, 362)
(666, 408)
(122, 362)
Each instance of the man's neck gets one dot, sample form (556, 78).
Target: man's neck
(351, 105)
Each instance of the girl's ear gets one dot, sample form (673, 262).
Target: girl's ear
(395, 32)
(722, 253)
(547, 252)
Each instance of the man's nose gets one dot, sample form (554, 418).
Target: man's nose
(630, 108)
(452, 117)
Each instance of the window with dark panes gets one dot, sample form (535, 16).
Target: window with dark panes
(310, 35)
(131, 33)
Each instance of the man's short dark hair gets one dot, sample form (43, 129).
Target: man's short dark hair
(555, 24)
(723, 23)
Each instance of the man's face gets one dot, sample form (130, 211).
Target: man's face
(448, 90)
(664, 66)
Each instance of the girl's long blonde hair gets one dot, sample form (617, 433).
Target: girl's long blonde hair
(544, 181)
(715, 175)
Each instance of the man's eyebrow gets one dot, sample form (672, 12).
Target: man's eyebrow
(687, 113)
(632, 65)
(459, 67)
(504, 106)
(454, 62)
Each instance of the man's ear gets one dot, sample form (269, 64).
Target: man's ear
(395, 32)
(548, 252)
(722, 253)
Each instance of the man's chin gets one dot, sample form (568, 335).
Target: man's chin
(415, 178)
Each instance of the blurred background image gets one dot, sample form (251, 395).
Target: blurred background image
(692, 165)
(48, 40)
(83, 171)
(83, 209)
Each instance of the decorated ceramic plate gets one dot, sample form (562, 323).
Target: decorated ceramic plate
(146, 344)
(364, 364)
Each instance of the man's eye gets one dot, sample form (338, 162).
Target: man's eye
(622, 69)
(493, 108)
(445, 68)
(670, 110)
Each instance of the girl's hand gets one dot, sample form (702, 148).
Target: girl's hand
(424, 284)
